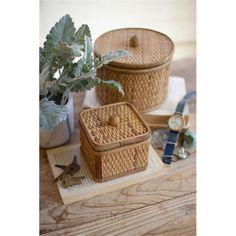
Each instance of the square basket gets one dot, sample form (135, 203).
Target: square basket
(114, 141)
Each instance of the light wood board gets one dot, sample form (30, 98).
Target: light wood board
(88, 187)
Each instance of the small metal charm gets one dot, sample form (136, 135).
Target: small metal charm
(182, 154)
(189, 139)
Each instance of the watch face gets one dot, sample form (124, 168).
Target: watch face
(176, 122)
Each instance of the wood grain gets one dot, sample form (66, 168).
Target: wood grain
(163, 206)
(171, 217)
(179, 180)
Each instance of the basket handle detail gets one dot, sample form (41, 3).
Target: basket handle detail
(134, 42)
(114, 120)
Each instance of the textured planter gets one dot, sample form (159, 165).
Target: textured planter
(62, 132)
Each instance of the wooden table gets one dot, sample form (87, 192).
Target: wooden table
(162, 206)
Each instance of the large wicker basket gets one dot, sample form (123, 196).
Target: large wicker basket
(144, 73)
(114, 141)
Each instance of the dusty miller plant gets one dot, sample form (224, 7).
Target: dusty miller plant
(67, 63)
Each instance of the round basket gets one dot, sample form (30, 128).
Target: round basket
(144, 73)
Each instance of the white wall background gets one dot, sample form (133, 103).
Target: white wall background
(176, 18)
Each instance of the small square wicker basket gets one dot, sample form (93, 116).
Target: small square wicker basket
(114, 141)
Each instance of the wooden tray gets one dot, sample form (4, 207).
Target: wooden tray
(89, 188)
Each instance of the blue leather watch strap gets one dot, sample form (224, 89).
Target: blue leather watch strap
(170, 146)
(173, 135)
(186, 98)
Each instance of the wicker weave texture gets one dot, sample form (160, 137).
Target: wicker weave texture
(153, 48)
(114, 163)
(100, 131)
(145, 89)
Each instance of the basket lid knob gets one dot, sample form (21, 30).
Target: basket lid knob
(114, 120)
(133, 42)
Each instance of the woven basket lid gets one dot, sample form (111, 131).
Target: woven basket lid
(147, 48)
(114, 125)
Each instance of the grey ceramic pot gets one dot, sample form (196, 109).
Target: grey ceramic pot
(62, 132)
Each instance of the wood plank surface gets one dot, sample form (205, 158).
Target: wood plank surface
(179, 180)
(170, 217)
(162, 206)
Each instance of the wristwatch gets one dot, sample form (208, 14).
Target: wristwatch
(176, 124)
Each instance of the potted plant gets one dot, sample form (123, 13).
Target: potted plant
(67, 64)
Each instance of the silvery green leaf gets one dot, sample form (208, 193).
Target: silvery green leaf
(85, 84)
(45, 72)
(111, 56)
(97, 63)
(42, 59)
(80, 34)
(76, 50)
(51, 114)
(43, 80)
(88, 83)
(78, 68)
(62, 31)
(61, 55)
(64, 51)
(113, 84)
(88, 51)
